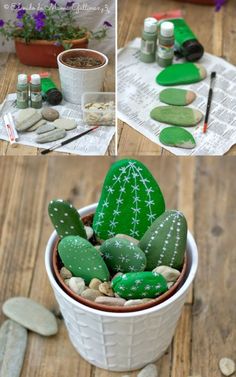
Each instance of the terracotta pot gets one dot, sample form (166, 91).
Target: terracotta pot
(57, 265)
(43, 53)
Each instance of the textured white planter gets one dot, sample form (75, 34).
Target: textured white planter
(76, 81)
(122, 341)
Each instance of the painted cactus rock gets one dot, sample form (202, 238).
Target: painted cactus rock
(130, 201)
(136, 285)
(164, 243)
(122, 255)
(66, 219)
(82, 259)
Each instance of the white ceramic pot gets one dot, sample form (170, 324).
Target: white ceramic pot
(121, 341)
(76, 81)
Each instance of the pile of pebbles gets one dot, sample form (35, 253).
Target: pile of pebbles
(100, 113)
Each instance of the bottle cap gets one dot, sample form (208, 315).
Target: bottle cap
(150, 25)
(167, 29)
(22, 79)
(35, 79)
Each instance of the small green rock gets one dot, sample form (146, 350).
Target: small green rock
(176, 115)
(164, 243)
(177, 137)
(185, 73)
(137, 285)
(66, 219)
(122, 255)
(82, 259)
(177, 97)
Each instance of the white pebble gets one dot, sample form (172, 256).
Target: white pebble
(89, 232)
(77, 285)
(150, 370)
(227, 366)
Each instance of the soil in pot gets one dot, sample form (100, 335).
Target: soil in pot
(82, 59)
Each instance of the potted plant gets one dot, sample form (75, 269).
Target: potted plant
(40, 36)
(140, 331)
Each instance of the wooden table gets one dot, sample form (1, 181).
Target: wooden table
(10, 67)
(202, 188)
(216, 31)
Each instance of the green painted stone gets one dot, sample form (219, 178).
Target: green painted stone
(177, 137)
(177, 97)
(130, 201)
(135, 285)
(176, 115)
(185, 73)
(164, 243)
(82, 259)
(122, 255)
(66, 219)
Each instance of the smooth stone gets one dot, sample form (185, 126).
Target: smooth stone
(27, 118)
(105, 288)
(137, 302)
(177, 137)
(149, 370)
(91, 294)
(170, 284)
(77, 285)
(185, 73)
(111, 301)
(89, 232)
(170, 274)
(177, 97)
(65, 124)
(37, 125)
(129, 238)
(65, 273)
(45, 128)
(31, 315)
(51, 136)
(13, 342)
(227, 366)
(50, 114)
(94, 283)
(176, 115)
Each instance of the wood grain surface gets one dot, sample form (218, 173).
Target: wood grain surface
(203, 188)
(10, 67)
(216, 31)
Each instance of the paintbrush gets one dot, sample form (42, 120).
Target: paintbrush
(45, 151)
(210, 94)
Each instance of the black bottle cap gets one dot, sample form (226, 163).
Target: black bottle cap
(192, 50)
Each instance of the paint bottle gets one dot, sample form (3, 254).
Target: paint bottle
(165, 52)
(149, 40)
(22, 97)
(50, 92)
(35, 91)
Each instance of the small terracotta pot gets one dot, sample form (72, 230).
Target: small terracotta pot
(44, 53)
(57, 265)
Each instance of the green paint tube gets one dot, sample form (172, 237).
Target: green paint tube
(50, 92)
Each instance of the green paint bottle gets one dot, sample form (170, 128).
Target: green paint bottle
(165, 52)
(50, 92)
(35, 91)
(149, 40)
(22, 92)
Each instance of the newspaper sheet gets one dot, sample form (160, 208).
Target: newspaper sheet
(94, 143)
(138, 94)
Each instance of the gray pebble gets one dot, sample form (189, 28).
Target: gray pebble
(89, 232)
(50, 114)
(31, 315)
(65, 274)
(91, 294)
(150, 370)
(45, 128)
(37, 125)
(138, 301)
(51, 136)
(112, 301)
(65, 124)
(77, 285)
(170, 274)
(13, 342)
(27, 118)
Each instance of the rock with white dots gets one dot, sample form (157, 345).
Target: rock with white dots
(149, 370)
(137, 285)
(122, 255)
(130, 201)
(66, 219)
(164, 243)
(82, 259)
